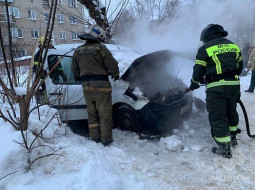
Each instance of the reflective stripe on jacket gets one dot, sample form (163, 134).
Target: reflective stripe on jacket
(218, 57)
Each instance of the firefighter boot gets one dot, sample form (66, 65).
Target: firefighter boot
(107, 143)
(223, 149)
(233, 137)
(233, 141)
(94, 132)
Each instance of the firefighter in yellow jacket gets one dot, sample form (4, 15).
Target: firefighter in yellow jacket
(92, 63)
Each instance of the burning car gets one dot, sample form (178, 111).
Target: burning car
(147, 96)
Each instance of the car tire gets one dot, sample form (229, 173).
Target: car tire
(125, 118)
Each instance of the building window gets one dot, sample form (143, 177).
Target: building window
(72, 3)
(75, 36)
(14, 12)
(17, 32)
(73, 19)
(31, 14)
(23, 52)
(46, 17)
(62, 35)
(35, 33)
(60, 18)
(14, 53)
(60, 2)
(19, 52)
(45, 3)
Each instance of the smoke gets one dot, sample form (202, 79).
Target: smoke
(183, 34)
(183, 37)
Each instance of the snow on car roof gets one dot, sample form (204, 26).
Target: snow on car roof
(124, 55)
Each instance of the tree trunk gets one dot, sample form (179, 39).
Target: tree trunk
(98, 14)
(24, 113)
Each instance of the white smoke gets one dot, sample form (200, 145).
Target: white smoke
(183, 34)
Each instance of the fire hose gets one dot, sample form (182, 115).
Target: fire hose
(244, 113)
(246, 119)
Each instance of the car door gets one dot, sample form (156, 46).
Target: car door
(64, 93)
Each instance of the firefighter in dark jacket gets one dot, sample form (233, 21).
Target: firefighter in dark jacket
(92, 63)
(219, 64)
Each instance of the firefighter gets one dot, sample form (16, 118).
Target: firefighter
(41, 95)
(92, 63)
(219, 63)
(40, 48)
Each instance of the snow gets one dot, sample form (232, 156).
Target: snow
(20, 90)
(180, 161)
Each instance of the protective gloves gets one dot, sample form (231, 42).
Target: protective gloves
(117, 77)
(193, 85)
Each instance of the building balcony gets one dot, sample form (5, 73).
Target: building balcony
(3, 19)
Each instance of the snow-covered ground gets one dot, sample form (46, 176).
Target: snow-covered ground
(180, 161)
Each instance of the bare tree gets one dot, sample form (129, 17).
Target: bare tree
(154, 11)
(9, 86)
(157, 10)
(100, 13)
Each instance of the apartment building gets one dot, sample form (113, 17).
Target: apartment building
(29, 20)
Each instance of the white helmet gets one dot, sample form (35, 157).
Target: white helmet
(97, 32)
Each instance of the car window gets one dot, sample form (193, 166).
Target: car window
(62, 73)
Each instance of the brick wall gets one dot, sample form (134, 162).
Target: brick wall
(27, 42)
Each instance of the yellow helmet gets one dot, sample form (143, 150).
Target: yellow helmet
(41, 40)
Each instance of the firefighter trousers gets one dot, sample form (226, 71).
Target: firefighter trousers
(223, 117)
(99, 107)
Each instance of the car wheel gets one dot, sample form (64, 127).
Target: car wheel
(125, 118)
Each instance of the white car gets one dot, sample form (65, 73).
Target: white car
(141, 98)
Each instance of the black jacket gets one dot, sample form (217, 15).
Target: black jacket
(218, 63)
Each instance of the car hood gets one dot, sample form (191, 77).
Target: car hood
(154, 74)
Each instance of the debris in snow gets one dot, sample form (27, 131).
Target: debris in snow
(198, 148)
(192, 132)
(142, 143)
(155, 152)
(186, 149)
(172, 143)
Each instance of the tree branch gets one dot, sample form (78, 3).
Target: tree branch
(8, 175)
